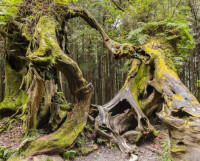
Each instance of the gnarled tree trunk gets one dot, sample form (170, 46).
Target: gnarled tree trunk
(151, 88)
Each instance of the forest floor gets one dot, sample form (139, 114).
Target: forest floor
(148, 150)
(151, 150)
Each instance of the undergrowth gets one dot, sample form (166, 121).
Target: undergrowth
(5, 153)
(165, 154)
(176, 34)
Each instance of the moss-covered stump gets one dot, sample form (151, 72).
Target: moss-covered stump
(58, 141)
(151, 89)
(44, 52)
(180, 109)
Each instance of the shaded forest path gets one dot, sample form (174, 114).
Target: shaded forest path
(151, 150)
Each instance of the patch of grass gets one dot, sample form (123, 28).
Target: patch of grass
(70, 154)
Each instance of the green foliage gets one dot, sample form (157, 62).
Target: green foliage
(89, 127)
(60, 99)
(165, 155)
(64, 1)
(169, 30)
(198, 83)
(175, 33)
(126, 66)
(151, 10)
(5, 153)
(69, 154)
(8, 10)
(102, 140)
(80, 141)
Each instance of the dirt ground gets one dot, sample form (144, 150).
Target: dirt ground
(12, 136)
(147, 151)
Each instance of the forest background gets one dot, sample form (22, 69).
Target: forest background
(119, 19)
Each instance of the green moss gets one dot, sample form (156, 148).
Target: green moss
(137, 137)
(59, 140)
(155, 132)
(12, 80)
(50, 54)
(158, 55)
(45, 35)
(139, 83)
(177, 97)
(14, 97)
(175, 147)
(134, 69)
(14, 158)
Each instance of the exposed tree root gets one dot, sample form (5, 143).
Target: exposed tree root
(35, 93)
(58, 141)
(50, 90)
(124, 119)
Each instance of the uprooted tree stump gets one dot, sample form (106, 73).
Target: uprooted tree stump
(151, 88)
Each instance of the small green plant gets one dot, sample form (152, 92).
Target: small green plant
(113, 146)
(88, 127)
(165, 155)
(101, 140)
(126, 66)
(5, 153)
(69, 154)
(80, 141)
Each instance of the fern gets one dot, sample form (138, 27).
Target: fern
(8, 9)
(175, 33)
(142, 38)
(181, 31)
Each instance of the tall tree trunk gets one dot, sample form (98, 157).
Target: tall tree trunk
(192, 69)
(103, 88)
(1, 84)
(195, 21)
(99, 79)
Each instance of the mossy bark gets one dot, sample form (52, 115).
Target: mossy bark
(58, 141)
(153, 88)
(14, 96)
(49, 55)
